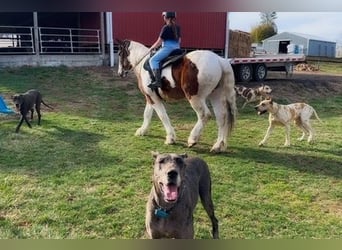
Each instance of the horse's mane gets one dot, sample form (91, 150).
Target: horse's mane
(137, 44)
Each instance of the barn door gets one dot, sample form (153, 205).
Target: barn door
(283, 47)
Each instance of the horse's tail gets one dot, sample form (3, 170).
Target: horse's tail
(228, 84)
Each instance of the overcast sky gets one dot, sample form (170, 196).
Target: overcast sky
(326, 25)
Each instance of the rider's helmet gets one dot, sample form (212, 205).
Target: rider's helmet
(169, 14)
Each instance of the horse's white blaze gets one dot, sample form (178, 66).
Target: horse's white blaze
(119, 68)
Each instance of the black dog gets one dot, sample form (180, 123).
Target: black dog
(25, 103)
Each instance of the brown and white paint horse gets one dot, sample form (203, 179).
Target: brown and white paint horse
(200, 76)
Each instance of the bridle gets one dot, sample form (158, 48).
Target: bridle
(125, 53)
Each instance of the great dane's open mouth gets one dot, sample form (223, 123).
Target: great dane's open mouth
(170, 192)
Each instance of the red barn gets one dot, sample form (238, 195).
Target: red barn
(203, 30)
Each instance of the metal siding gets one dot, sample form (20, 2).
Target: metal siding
(198, 30)
(271, 47)
(203, 30)
(321, 48)
(141, 27)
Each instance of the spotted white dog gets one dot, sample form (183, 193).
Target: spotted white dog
(283, 115)
(253, 94)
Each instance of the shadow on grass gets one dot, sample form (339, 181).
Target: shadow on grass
(303, 163)
(57, 150)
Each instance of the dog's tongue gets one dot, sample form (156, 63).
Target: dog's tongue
(171, 192)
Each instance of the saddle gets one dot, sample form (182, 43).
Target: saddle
(174, 57)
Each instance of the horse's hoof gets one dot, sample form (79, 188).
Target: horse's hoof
(216, 150)
(218, 147)
(170, 139)
(190, 145)
(140, 132)
(170, 142)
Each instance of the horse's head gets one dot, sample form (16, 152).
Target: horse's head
(123, 53)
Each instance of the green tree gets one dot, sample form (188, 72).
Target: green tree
(261, 32)
(266, 28)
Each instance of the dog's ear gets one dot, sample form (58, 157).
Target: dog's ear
(184, 155)
(155, 154)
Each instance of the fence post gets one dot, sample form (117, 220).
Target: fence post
(71, 42)
(36, 36)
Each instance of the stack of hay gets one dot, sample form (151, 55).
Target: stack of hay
(240, 43)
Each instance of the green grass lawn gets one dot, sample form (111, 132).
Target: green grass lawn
(84, 175)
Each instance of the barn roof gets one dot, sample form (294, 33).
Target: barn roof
(312, 37)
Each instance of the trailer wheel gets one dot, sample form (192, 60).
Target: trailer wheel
(260, 72)
(245, 72)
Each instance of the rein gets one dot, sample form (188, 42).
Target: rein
(140, 60)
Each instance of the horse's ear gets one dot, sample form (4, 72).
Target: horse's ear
(118, 41)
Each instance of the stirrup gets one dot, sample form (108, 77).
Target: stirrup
(154, 85)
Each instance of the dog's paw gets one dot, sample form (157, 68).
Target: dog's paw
(261, 144)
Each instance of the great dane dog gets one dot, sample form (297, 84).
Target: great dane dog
(177, 183)
(27, 102)
(299, 113)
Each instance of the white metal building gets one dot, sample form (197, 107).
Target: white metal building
(311, 45)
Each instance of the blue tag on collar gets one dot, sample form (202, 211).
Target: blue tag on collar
(161, 213)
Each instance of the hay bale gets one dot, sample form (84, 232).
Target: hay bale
(240, 43)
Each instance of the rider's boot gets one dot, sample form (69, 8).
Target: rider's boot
(157, 83)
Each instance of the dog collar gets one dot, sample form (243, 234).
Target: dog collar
(161, 213)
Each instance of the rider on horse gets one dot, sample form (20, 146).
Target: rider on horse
(169, 39)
